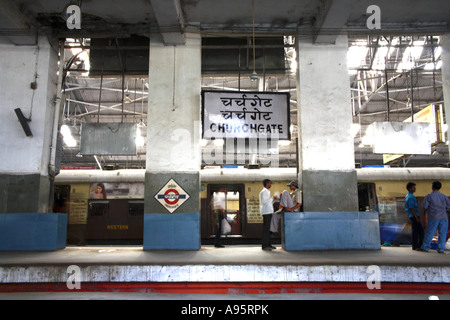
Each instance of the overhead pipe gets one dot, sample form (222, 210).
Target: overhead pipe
(412, 96)
(387, 92)
(59, 104)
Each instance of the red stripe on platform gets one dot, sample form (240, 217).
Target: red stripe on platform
(232, 288)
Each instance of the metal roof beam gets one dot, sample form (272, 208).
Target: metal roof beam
(18, 28)
(169, 16)
(332, 17)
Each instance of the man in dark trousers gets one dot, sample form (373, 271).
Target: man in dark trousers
(266, 210)
(412, 208)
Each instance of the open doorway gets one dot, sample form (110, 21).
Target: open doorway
(229, 200)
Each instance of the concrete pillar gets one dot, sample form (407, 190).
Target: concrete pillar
(172, 181)
(446, 75)
(28, 81)
(330, 220)
(327, 165)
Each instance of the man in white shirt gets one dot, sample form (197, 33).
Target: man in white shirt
(266, 210)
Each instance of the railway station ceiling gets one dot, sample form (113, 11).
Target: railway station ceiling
(394, 71)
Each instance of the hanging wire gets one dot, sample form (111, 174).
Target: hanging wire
(134, 102)
(142, 100)
(253, 34)
(35, 76)
(101, 88)
(123, 76)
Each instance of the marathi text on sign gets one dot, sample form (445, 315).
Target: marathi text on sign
(245, 115)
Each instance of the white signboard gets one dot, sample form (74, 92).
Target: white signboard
(402, 138)
(245, 115)
(171, 196)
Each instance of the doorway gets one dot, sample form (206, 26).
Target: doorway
(230, 200)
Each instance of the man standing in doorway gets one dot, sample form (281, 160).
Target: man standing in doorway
(266, 210)
(435, 206)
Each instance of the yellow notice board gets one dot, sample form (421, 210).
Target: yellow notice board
(78, 205)
(253, 215)
(78, 211)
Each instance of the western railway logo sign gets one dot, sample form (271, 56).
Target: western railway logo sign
(171, 196)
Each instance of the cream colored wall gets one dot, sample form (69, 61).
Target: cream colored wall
(398, 188)
(252, 189)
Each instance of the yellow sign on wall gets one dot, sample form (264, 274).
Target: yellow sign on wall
(253, 215)
(78, 211)
(78, 205)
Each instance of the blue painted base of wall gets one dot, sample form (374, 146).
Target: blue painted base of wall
(179, 231)
(331, 231)
(33, 231)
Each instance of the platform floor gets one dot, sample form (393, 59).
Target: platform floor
(239, 263)
(230, 255)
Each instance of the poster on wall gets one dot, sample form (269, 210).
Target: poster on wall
(101, 190)
(247, 115)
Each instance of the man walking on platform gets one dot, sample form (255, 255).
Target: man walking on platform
(435, 207)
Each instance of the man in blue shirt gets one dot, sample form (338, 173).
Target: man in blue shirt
(435, 207)
(412, 208)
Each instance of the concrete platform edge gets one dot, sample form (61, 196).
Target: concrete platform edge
(223, 273)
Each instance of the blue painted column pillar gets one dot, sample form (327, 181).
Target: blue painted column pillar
(327, 160)
(27, 159)
(327, 174)
(172, 180)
